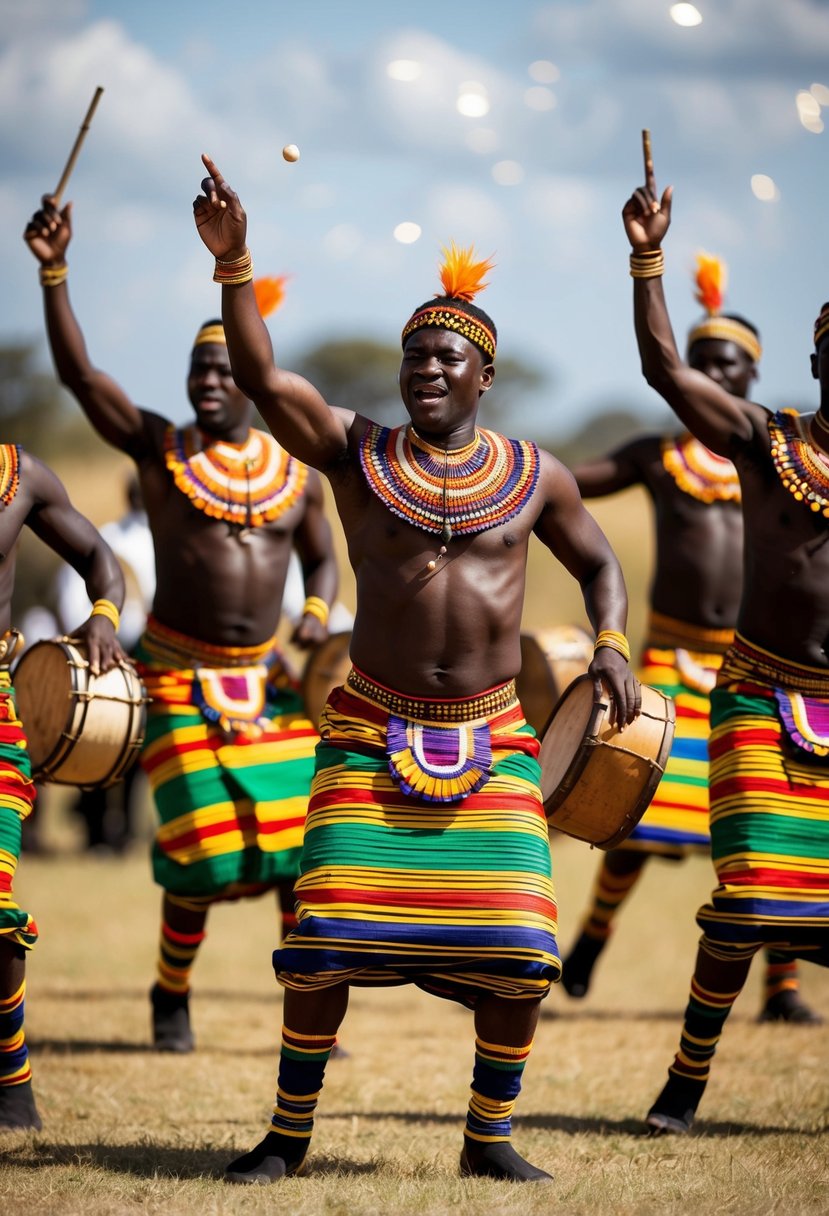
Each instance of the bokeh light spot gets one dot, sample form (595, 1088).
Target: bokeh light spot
(820, 92)
(404, 69)
(764, 188)
(539, 98)
(543, 71)
(407, 233)
(472, 100)
(507, 172)
(686, 15)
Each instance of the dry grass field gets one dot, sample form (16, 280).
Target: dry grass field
(127, 1130)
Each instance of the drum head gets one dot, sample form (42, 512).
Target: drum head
(43, 692)
(326, 668)
(564, 737)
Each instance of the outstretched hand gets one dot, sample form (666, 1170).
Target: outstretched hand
(49, 231)
(646, 216)
(220, 217)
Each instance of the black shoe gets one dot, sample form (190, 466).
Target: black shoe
(673, 1112)
(171, 1021)
(272, 1159)
(498, 1160)
(17, 1108)
(789, 1006)
(578, 966)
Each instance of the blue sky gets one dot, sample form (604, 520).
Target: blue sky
(538, 180)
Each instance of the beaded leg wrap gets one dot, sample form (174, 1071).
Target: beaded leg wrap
(496, 1083)
(609, 892)
(281, 1154)
(705, 1015)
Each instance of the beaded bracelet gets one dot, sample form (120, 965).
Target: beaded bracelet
(650, 264)
(314, 606)
(614, 641)
(233, 274)
(51, 276)
(107, 608)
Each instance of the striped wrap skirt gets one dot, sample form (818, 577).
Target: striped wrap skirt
(229, 753)
(17, 797)
(426, 857)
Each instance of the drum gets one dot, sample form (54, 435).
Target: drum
(550, 660)
(83, 730)
(596, 781)
(326, 668)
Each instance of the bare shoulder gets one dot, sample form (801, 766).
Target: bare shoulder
(555, 481)
(40, 483)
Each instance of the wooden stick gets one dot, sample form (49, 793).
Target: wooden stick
(76, 147)
(647, 155)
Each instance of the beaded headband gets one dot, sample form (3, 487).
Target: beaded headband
(214, 334)
(822, 325)
(461, 278)
(710, 279)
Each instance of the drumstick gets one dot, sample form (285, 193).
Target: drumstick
(76, 147)
(647, 154)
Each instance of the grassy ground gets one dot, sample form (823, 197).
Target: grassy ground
(127, 1130)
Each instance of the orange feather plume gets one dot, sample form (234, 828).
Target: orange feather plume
(710, 279)
(460, 275)
(269, 292)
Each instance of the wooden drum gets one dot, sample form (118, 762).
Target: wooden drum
(325, 668)
(83, 730)
(550, 660)
(596, 781)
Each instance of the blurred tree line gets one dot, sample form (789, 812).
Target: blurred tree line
(355, 373)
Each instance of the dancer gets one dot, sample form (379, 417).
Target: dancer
(769, 780)
(31, 495)
(694, 598)
(426, 858)
(229, 749)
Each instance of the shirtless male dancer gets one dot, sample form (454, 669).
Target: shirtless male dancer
(694, 598)
(229, 749)
(31, 495)
(769, 749)
(426, 858)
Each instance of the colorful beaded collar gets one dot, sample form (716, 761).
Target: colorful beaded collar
(246, 484)
(449, 492)
(699, 472)
(9, 471)
(802, 469)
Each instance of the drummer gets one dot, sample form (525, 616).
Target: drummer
(30, 494)
(427, 774)
(229, 748)
(694, 598)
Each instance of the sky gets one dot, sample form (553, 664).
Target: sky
(514, 127)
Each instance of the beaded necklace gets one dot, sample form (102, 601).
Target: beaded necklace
(801, 467)
(449, 492)
(700, 472)
(9, 472)
(246, 484)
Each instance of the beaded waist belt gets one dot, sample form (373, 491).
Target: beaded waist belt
(428, 709)
(749, 663)
(176, 650)
(672, 634)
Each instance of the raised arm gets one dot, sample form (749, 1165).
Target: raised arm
(70, 534)
(571, 533)
(718, 419)
(293, 409)
(313, 543)
(608, 474)
(104, 402)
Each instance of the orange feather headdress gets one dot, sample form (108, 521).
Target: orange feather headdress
(710, 280)
(461, 277)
